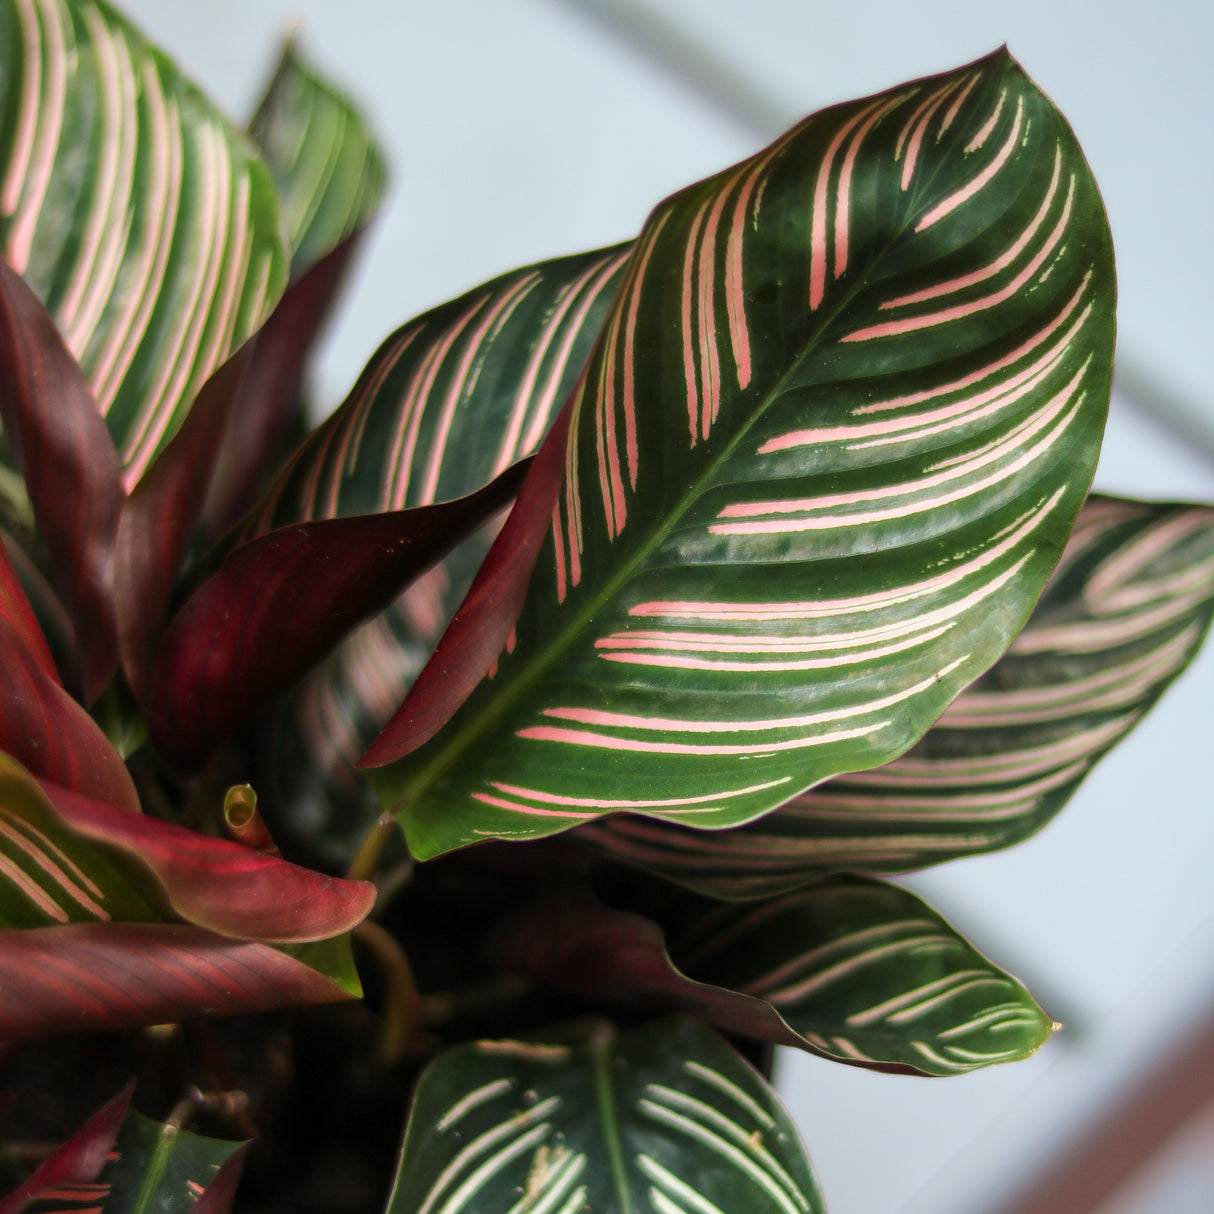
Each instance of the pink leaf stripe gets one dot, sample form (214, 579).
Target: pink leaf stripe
(1125, 612)
(160, 257)
(828, 448)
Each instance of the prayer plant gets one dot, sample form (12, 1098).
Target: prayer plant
(801, 586)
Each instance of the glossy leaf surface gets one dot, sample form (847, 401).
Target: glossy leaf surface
(852, 969)
(664, 1119)
(1123, 615)
(825, 455)
(151, 1166)
(144, 222)
(281, 601)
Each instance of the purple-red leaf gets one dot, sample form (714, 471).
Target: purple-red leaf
(100, 976)
(80, 1159)
(481, 628)
(71, 469)
(280, 602)
(270, 393)
(40, 724)
(159, 517)
(221, 1192)
(222, 885)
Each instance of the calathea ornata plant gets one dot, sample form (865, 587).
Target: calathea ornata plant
(801, 586)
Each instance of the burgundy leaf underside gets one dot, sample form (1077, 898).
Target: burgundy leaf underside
(480, 628)
(110, 976)
(270, 393)
(577, 945)
(221, 1192)
(281, 602)
(71, 469)
(80, 1159)
(221, 885)
(40, 724)
(159, 517)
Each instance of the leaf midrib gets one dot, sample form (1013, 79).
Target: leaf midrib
(537, 667)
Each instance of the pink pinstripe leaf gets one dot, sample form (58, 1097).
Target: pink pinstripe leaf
(1123, 615)
(824, 456)
(147, 225)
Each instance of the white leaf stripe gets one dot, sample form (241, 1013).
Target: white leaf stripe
(1126, 611)
(860, 971)
(954, 442)
(161, 271)
(680, 1142)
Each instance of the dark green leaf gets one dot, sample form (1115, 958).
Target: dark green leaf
(1124, 614)
(825, 455)
(665, 1119)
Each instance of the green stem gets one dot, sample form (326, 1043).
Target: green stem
(372, 849)
(402, 1004)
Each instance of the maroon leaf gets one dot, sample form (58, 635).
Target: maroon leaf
(103, 976)
(161, 513)
(481, 627)
(222, 885)
(221, 1192)
(80, 1159)
(71, 469)
(270, 394)
(576, 944)
(280, 602)
(40, 724)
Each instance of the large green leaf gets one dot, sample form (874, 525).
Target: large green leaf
(663, 1120)
(825, 456)
(145, 223)
(1124, 614)
(853, 969)
(476, 383)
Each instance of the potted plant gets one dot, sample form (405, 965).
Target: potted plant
(584, 676)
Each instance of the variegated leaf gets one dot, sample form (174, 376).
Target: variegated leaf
(139, 1166)
(461, 393)
(325, 162)
(666, 1119)
(146, 224)
(853, 969)
(1124, 614)
(453, 398)
(826, 453)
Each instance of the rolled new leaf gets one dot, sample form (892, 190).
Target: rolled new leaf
(665, 1118)
(1123, 615)
(824, 457)
(852, 969)
(145, 223)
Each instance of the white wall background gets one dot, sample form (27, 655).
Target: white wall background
(519, 129)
